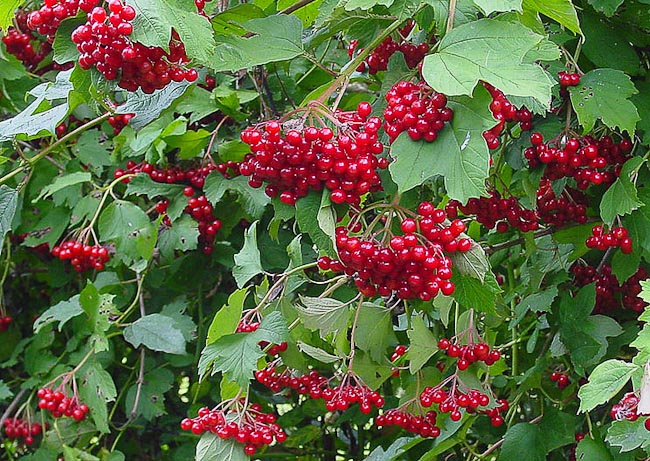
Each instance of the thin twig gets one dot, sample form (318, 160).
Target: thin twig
(296, 6)
(452, 13)
(511, 243)
(500, 441)
(12, 406)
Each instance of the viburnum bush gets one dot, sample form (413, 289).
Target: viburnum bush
(324, 230)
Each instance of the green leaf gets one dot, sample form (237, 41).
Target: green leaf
(536, 302)
(64, 49)
(561, 11)
(60, 312)
(7, 12)
(61, 182)
(97, 306)
(5, 392)
(501, 53)
(317, 353)
(471, 293)
(148, 107)
(607, 45)
(310, 212)
(152, 394)
(621, 198)
(274, 38)
(351, 5)
(155, 19)
(189, 144)
(491, 6)
(324, 314)
(589, 449)
(157, 332)
(142, 184)
(459, 154)
(96, 389)
(374, 331)
(8, 204)
(627, 435)
(130, 228)
(605, 382)
(607, 7)
(604, 94)
(473, 263)
(236, 355)
(213, 448)
(181, 236)
(254, 201)
(227, 318)
(247, 262)
(423, 345)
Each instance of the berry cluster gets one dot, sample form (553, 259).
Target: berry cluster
(561, 379)
(617, 237)
(417, 109)
(467, 354)
(194, 179)
(495, 413)
(294, 162)
(570, 206)
(5, 321)
(82, 257)
(504, 111)
(606, 285)
(59, 404)
(399, 352)
(630, 290)
(454, 400)
(47, 19)
(568, 79)
(249, 327)
(423, 425)
(119, 121)
(586, 159)
(310, 384)
(496, 211)
(378, 59)
(578, 437)
(412, 265)
(247, 425)
(21, 43)
(17, 428)
(104, 43)
(626, 408)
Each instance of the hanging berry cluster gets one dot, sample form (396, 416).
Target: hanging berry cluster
(609, 293)
(561, 379)
(5, 321)
(617, 238)
(119, 121)
(25, 46)
(496, 211)
(453, 400)
(310, 384)
(378, 59)
(504, 111)
(417, 109)
(104, 43)
(18, 428)
(234, 419)
(82, 257)
(570, 206)
(198, 206)
(292, 163)
(467, 354)
(47, 19)
(412, 265)
(59, 404)
(422, 424)
(585, 159)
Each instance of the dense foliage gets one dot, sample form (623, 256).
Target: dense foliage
(324, 230)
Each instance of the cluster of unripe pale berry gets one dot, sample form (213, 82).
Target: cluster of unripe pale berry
(198, 206)
(18, 428)
(417, 109)
(82, 257)
(412, 265)
(616, 237)
(5, 321)
(627, 409)
(378, 58)
(467, 354)
(586, 159)
(59, 404)
(495, 210)
(104, 43)
(233, 419)
(609, 293)
(504, 111)
(295, 161)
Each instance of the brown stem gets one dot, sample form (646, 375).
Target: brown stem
(12, 406)
(295, 7)
(511, 243)
(500, 442)
(452, 13)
